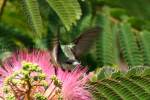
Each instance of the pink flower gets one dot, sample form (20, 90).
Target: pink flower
(67, 85)
(14, 63)
(74, 85)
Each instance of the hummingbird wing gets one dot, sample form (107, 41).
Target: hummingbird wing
(84, 42)
(55, 54)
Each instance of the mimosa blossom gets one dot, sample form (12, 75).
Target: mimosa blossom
(65, 85)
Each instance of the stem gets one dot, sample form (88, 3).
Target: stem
(52, 92)
(2, 98)
(11, 86)
(2, 8)
(27, 96)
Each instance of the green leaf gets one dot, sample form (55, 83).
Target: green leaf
(125, 86)
(129, 46)
(145, 46)
(31, 9)
(68, 10)
(106, 47)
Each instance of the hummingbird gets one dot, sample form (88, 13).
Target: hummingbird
(67, 56)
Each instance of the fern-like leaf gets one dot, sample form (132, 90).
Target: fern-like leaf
(129, 47)
(68, 10)
(145, 46)
(106, 45)
(31, 9)
(124, 86)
